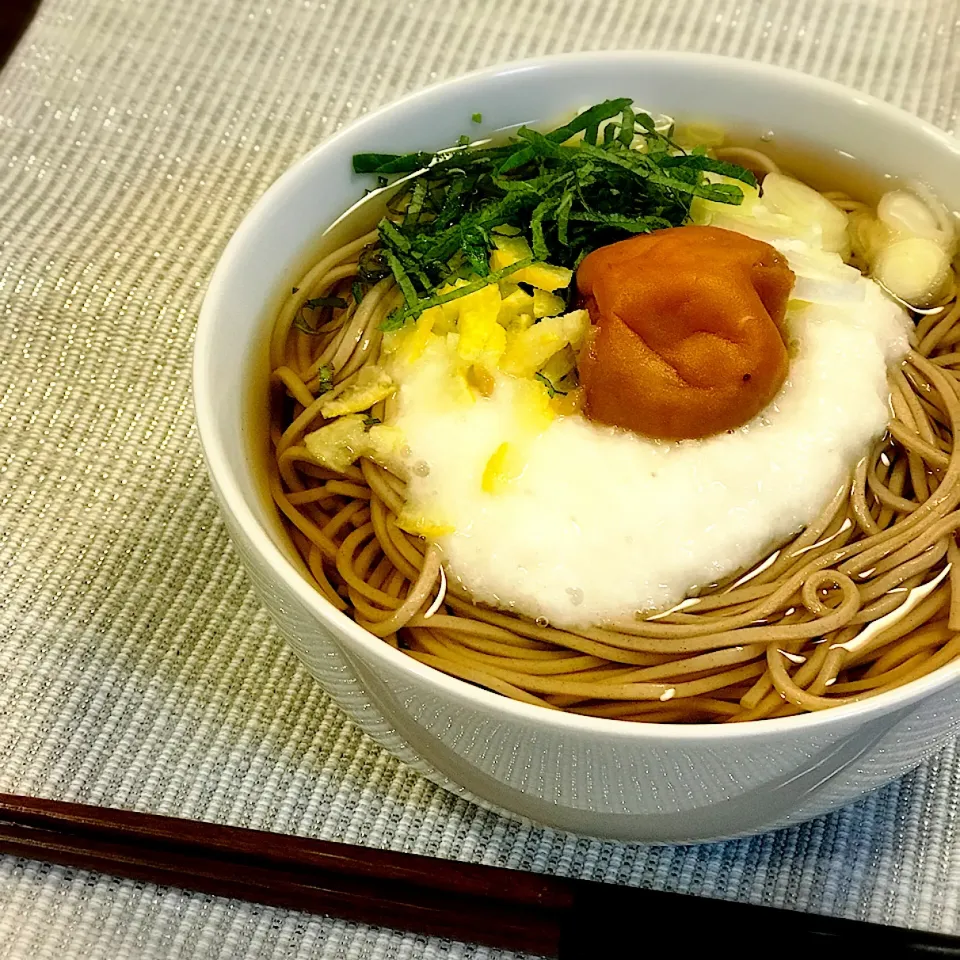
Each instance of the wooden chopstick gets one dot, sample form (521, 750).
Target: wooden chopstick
(409, 892)
(550, 916)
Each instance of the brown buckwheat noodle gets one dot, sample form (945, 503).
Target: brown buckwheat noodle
(803, 631)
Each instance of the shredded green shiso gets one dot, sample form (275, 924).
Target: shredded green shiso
(606, 174)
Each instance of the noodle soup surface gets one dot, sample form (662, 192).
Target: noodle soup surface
(516, 478)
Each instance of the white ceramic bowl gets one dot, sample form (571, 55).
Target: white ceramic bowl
(631, 781)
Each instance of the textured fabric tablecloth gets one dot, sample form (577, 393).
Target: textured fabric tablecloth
(136, 666)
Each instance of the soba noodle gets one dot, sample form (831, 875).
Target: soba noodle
(865, 599)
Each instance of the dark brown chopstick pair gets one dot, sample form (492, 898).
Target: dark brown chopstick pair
(545, 915)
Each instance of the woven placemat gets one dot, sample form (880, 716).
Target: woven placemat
(136, 666)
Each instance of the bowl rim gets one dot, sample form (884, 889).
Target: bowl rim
(233, 501)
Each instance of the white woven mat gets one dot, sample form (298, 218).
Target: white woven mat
(136, 667)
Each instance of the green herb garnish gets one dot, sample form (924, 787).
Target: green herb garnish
(372, 267)
(371, 421)
(552, 391)
(301, 324)
(606, 174)
(399, 317)
(477, 118)
(389, 162)
(318, 302)
(357, 290)
(324, 379)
